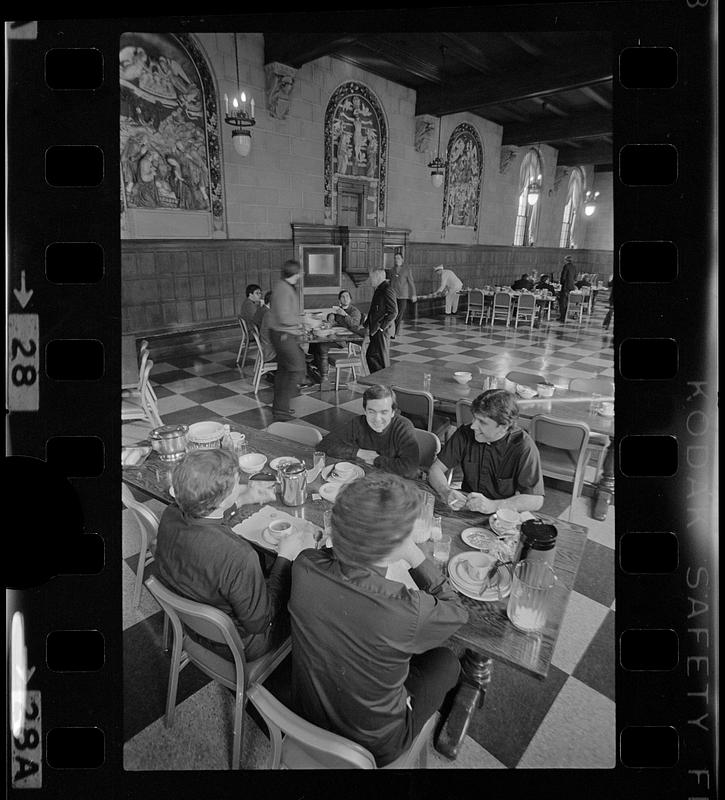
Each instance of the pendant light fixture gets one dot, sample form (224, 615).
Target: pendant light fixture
(438, 165)
(241, 117)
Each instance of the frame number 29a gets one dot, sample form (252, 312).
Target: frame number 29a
(23, 366)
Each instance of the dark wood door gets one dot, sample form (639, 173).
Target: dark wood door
(349, 209)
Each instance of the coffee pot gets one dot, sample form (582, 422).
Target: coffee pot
(293, 478)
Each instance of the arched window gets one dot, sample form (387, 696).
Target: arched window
(571, 209)
(527, 214)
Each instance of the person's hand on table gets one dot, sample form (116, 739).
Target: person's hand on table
(480, 503)
(257, 492)
(455, 499)
(297, 541)
(368, 456)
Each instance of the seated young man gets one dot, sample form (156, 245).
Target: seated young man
(249, 311)
(379, 437)
(366, 656)
(500, 462)
(524, 282)
(345, 314)
(200, 557)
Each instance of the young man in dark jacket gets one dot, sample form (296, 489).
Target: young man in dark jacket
(380, 437)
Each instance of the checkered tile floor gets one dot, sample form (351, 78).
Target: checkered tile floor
(567, 720)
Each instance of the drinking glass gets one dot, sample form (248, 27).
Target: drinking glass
(327, 525)
(318, 460)
(436, 531)
(529, 601)
(442, 551)
(426, 381)
(594, 406)
(240, 445)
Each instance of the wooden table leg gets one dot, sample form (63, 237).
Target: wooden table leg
(471, 692)
(604, 496)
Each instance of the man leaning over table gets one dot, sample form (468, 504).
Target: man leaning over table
(500, 462)
(379, 437)
(450, 285)
(200, 557)
(367, 660)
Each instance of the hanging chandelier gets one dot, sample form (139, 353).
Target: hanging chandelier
(438, 165)
(590, 202)
(241, 117)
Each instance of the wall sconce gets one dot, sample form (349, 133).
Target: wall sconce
(241, 117)
(590, 202)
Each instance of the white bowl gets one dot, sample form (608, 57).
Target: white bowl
(462, 377)
(278, 529)
(252, 462)
(545, 389)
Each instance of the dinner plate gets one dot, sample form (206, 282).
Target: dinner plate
(491, 594)
(481, 539)
(328, 474)
(281, 461)
(329, 491)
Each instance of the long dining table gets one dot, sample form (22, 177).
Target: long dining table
(564, 404)
(488, 636)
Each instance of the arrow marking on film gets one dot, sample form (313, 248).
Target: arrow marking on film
(23, 294)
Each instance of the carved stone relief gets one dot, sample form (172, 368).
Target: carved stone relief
(280, 81)
(424, 129)
(508, 154)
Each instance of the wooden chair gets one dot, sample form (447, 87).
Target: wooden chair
(244, 342)
(298, 744)
(148, 525)
(598, 442)
(525, 310)
(562, 448)
(418, 406)
(429, 445)
(216, 626)
(476, 306)
(575, 308)
(144, 404)
(304, 434)
(351, 360)
(501, 307)
(261, 367)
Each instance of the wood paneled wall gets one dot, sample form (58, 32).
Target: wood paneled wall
(184, 286)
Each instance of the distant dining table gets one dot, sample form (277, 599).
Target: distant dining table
(564, 404)
(488, 636)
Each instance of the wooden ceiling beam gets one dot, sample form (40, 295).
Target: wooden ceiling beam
(576, 126)
(300, 48)
(524, 44)
(592, 94)
(462, 50)
(595, 153)
(474, 92)
(391, 51)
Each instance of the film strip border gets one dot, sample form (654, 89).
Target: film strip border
(64, 361)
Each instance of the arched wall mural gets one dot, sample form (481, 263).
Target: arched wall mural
(464, 178)
(356, 151)
(169, 137)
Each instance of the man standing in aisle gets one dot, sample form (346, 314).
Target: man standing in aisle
(567, 285)
(401, 280)
(285, 322)
(380, 321)
(450, 285)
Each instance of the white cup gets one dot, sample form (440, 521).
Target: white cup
(507, 518)
(280, 528)
(343, 469)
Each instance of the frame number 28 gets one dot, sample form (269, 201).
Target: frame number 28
(23, 392)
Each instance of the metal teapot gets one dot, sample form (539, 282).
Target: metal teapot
(169, 441)
(293, 478)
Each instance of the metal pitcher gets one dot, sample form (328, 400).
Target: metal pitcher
(294, 484)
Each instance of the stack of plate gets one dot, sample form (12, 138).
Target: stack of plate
(497, 588)
(329, 474)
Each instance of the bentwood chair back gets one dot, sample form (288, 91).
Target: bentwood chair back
(304, 434)
(598, 442)
(298, 744)
(525, 310)
(501, 307)
(350, 359)
(216, 626)
(244, 342)
(261, 367)
(429, 445)
(476, 306)
(144, 404)
(148, 526)
(418, 406)
(562, 448)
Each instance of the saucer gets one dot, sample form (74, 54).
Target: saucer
(499, 530)
(481, 539)
(470, 589)
(328, 491)
(282, 461)
(328, 474)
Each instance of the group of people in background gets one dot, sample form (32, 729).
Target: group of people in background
(277, 317)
